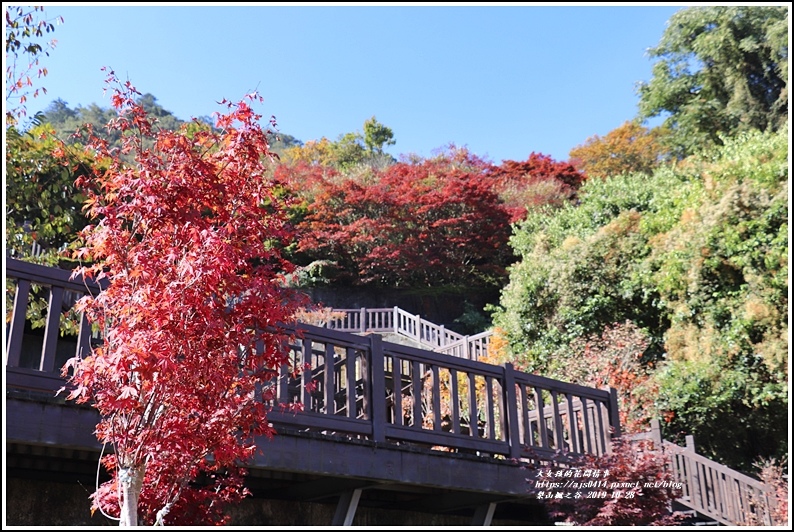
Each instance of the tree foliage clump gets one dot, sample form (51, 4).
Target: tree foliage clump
(628, 149)
(189, 236)
(438, 221)
(413, 225)
(720, 71)
(25, 27)
(696, 257)
(350, 151)
(540, 181)
(43, 207)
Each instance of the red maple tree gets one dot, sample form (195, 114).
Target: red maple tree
(414, 224)
(189, 235)
(540, 180)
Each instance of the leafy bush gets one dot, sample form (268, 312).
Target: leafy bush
(629, 463)
(696, 258)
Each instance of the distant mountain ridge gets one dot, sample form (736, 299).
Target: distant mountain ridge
(66, 121)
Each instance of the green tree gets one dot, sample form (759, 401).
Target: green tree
(42, 204)
(66, 121)
(165, 119)
(349, 150)
(719, 70)
(695, 256)
(376, 135)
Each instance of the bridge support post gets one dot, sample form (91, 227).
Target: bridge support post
(377, 389)
(483, 514)
(511, 402)
(346, 509)
(656, 434)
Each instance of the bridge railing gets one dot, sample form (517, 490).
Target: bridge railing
(718, 491)
(363, 386)
(713, 489)
(360, 386)
(33, 361)
(413, 326)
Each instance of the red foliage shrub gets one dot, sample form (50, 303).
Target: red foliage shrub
(540, 180)
(615, 359)
(638, 489)
(418, 224)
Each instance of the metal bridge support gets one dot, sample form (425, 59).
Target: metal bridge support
(346, 509)
(483, 514)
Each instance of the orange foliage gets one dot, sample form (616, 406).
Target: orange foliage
(626, 149)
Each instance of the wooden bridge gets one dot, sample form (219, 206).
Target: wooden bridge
(385, 425)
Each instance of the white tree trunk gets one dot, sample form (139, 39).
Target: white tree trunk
(131, 480)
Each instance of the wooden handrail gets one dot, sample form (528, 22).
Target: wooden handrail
(383, 391)
(713, 489)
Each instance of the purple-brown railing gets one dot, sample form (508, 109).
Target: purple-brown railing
(359, 385)
(366, 387)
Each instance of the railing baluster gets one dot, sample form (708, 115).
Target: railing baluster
(526, 424)
(603, 429)
(307, 371)
(714, 493)
(588, 433)
(573, 430)
(14, 349)
(329, 369)
(397, 386)
(378, 412)
(490, 407)
(51, 330)
(474, 427)
(352, 389)
(703, 471)
(84, 337)
(454, 400)
(416, 393)
(436, 399)
(558, 434)
(282, 384)
(542, 430)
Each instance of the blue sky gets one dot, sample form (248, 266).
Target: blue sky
(503, 80)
